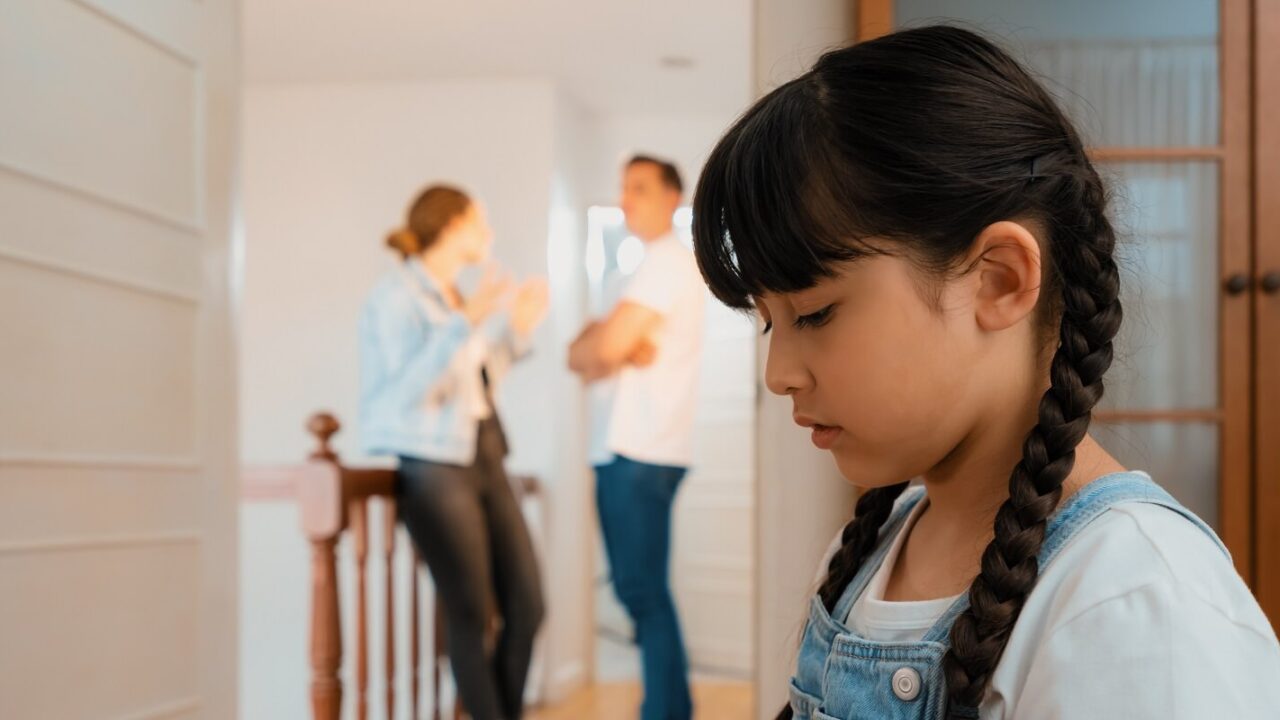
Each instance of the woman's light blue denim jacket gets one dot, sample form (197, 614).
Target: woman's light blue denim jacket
(412, 365)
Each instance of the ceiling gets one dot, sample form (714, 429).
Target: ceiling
(606, 53)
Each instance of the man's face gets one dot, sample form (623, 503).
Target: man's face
(647, 201)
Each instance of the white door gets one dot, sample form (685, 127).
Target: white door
(117, 418)
(713, 564)
(713, 567)
(801, 499)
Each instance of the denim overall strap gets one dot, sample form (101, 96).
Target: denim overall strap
(824, 628)
(910, 497)
(1099, 496)
(841, 675)
(1075, 514)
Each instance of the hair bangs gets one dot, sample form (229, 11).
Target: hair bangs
(766, 217)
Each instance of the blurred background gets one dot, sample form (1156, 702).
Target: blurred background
(193, 197)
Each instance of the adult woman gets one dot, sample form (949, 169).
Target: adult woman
(430, 357)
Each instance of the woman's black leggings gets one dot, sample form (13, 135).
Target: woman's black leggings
(468, 527)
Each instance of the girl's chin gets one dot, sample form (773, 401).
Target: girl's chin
(861, 474)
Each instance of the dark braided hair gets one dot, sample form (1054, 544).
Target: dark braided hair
(1090, 317)
(921, 139)
(857, 540)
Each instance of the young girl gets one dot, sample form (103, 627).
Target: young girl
(924, 235)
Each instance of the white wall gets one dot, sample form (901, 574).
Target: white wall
(685, 138)
(789, 37)
(328, 171)
(802, 499)
(567, 560)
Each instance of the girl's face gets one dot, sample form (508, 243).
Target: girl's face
(890, 380)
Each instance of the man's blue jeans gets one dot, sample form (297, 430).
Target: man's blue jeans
(634, 500)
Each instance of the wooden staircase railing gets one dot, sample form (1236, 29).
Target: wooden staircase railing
(334, 501)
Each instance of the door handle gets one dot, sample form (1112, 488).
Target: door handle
(1236, 284)
(1270, 282)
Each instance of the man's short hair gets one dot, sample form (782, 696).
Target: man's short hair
(666, 170)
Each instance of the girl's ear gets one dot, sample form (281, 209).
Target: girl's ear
(1006, 259)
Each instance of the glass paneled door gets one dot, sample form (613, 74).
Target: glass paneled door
(1160, 91)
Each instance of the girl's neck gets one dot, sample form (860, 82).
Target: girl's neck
(967, 488)
(944, 547)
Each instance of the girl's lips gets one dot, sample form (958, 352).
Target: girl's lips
(824, 436)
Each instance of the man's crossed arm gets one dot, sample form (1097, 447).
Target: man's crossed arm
(605, 346)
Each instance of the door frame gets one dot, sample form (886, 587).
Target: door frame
(1266, 306)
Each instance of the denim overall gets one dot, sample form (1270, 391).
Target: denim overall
(840, 676)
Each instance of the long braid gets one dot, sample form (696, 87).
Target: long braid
(1082, 249)
(857, 540)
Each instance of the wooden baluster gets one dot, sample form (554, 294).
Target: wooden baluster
(320, 498)
(389, 547)
(326, 633)
(359, 519)
(413, 637)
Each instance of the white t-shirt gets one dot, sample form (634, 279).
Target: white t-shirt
(1139, 616)
(651, 412)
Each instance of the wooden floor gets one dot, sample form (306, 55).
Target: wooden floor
(621, 701)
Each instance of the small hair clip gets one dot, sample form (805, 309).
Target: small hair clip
(1037, 171)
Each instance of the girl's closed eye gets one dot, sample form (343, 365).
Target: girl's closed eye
(815, 319)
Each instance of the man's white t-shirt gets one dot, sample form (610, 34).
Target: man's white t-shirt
(651, 413)
(1139, 617)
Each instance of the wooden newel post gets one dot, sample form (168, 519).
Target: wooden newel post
(323, 426)
(323, 509)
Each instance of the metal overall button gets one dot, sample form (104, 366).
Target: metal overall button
(906, 684)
